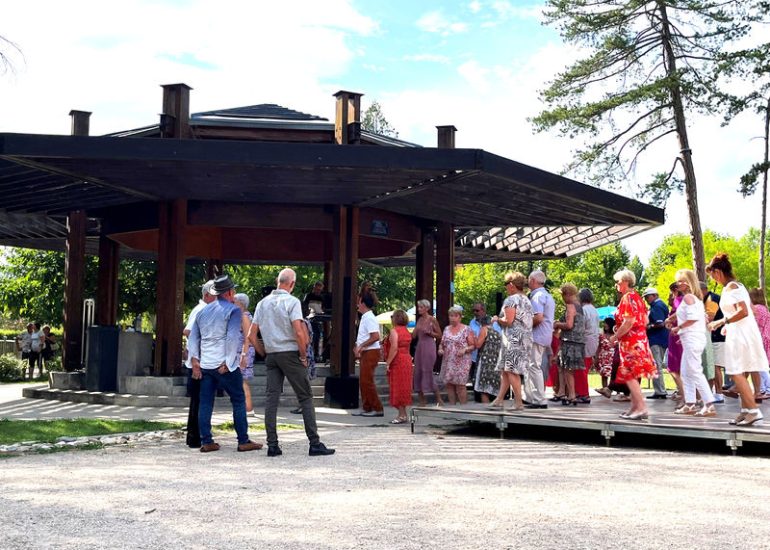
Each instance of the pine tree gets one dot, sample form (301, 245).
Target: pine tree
(374, 121)
(649, 64)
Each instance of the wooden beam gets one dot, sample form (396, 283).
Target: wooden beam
(445, 269)
(261, 134)
(344, 289)
(256, 215)
(170, 290)
(375, 222)
(107, 282)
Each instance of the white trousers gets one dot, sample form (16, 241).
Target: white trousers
(692, 370)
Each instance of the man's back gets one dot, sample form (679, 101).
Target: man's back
(274, 314)
(214, 326)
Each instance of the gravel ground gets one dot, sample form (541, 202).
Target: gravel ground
(385, 488)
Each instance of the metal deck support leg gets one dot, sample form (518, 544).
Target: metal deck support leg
(501, 425)
(411, 419)
(734, 443)
(608, 435)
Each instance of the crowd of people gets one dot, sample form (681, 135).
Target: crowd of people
(37, 347)
(711, 345)
(503, 357)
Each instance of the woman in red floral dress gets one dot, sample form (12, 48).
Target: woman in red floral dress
(631, 332)
(399, 365)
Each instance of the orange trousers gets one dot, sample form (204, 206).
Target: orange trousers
(370, 401)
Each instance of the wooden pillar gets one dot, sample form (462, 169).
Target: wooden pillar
(107, 282)
(424, 272)
(347, 120)
(446, 136)
(74, 276)
(172, 217)
(445, 272)
(328, 270)
(344, 298)
(75, 269)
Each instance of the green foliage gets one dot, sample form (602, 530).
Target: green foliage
(674, 254)
(374, 121)
(482, 282)
(11, 368)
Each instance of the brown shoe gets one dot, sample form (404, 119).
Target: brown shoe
(249, 446)
(210, 447)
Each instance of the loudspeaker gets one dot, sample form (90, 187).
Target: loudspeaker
(102, 366)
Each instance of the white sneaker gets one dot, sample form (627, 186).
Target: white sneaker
(719, 398)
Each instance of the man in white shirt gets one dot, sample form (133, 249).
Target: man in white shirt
(30, 345)
(367, 350)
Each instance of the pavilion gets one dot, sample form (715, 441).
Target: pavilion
(265, 184)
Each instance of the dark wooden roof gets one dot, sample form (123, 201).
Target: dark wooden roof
(263, 110)
(502, 209)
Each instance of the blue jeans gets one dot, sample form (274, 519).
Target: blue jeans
(232, 383)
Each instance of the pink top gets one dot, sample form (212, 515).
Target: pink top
(762, 316)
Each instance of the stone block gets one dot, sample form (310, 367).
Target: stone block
(67, 380)
(134, 356)
(153, 385)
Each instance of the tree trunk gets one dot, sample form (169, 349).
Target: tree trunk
(690, 187)
(763, 227)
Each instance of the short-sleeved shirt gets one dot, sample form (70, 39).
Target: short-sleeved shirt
(542, 302)
(366, 326)
(190, 322)
(274, 314)
(658, 313)
(25, 341)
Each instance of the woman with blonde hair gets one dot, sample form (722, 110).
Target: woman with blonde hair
(691, 328)
(631, 334)
(248, 353)
(744, 352)
(456, 346)
(572, 337)
(426, 332)
(516, 351)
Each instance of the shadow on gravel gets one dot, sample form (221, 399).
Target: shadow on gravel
(619, 440)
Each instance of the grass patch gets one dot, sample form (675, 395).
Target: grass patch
(48, 431)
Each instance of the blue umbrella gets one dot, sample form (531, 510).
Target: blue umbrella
(606, 311)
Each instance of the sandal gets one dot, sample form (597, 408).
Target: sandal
(687, 409)
(621, 398)
(398, 420)
(557, 398)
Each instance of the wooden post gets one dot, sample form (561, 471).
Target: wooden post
(74, 276)
(446, 137)
(328, 270)
(344, 289)
(424, 272)
(172, 217)
(445, 270)
(75, 269)
(107, 282)
(347, 120)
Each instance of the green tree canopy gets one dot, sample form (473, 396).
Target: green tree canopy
(374, 121)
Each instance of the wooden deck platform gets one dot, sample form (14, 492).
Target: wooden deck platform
(602, 416)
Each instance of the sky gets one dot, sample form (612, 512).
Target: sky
(475, 64)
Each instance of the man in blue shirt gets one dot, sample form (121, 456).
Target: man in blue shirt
(213, 348)
(543, 308)
(657, 334)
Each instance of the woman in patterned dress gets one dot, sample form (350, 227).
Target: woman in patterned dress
(516, 350)
(488, 342)
(456, 346)
(631, 333)
(572, 336)
(426, 332)
(399, 365)
(604, 355)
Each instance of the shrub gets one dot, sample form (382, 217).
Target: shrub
(11, 368)
(54, 364)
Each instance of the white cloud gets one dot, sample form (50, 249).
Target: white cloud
(427, 57)
(475, 75)
(475, 6)
(231, 54)
(506, 10)
(437, 22)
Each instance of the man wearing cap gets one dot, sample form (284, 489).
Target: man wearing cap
(193, 385)
(213, 348)
(279, 319)
(657, 334)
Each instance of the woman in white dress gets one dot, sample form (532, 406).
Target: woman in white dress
(691, 328)
(744, 352)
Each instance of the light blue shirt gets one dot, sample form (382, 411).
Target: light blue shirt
(215, 335)
(190, 322)
(542, 302)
